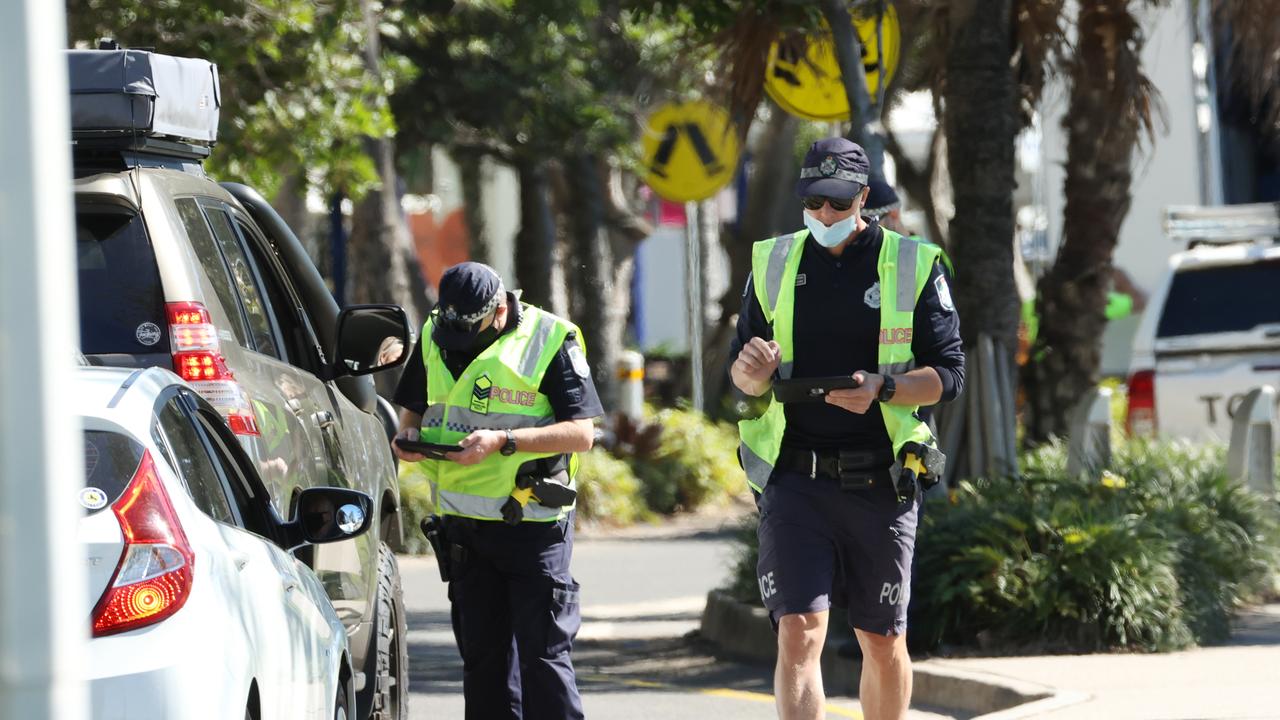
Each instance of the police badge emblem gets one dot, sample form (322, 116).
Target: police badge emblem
(828, 166)
(450, 313)
(872, 297)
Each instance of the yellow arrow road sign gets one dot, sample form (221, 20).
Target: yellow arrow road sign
(690, 150)
(810, 85)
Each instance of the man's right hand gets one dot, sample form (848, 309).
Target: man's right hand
(409, 433)
(756, 363)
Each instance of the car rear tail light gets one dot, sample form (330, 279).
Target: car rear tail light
(197, 358)
(153, 578)
(1141, 418)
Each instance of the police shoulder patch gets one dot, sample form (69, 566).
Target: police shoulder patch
(944, 293)
(579, 361)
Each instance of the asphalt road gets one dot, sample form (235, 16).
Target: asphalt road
(642, 596)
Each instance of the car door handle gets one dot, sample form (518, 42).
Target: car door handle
(290, 586)
(324, 419)
(240, 559)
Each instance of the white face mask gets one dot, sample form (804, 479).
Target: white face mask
(830, 235)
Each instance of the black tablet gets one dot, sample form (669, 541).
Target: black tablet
(434, 451)
(810, 389)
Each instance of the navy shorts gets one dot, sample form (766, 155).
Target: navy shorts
(822, 546)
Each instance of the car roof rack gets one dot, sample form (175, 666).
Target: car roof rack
(142, 107)
(1220, 224)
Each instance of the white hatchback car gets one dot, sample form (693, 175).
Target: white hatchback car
(198, 609)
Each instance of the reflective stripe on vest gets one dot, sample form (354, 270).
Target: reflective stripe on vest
(487, 508)
(903, 267)
(499, 390)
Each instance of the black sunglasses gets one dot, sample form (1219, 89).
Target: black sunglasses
(815, 202)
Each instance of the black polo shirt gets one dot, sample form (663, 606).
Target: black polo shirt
(836, 331)
(567, 385)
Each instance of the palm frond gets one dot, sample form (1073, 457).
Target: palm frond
(1040, 45)
(1253, 60)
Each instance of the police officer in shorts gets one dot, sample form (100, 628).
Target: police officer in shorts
(838, 481)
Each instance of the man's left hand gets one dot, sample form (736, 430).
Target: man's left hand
(858, 400)
(477, 446)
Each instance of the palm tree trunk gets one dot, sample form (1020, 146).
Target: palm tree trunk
(536, 239)
(470, 169)
(592, 273)
(1108, 107)
(981, 127)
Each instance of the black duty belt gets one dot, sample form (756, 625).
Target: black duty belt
(853, 469)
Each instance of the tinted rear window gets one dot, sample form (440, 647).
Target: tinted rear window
(110, 460)
(1233, 298)
(121, 299)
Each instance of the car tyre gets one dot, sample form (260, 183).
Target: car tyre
(391, 688)
(341, 707)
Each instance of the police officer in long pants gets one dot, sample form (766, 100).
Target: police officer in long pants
(838, 481)
(509, 384)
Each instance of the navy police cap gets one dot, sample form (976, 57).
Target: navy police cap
(469, 291)
(833, 167)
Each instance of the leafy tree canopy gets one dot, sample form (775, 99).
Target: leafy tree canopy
(296, 92)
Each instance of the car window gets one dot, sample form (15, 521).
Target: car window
(110, 461)
(242, 273)
(121, 299)
(190, 458)
(1227, 298)
(299, 342)
(215, 267)
(248, 495)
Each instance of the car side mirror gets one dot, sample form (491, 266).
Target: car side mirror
(328, 514)
(371, 338)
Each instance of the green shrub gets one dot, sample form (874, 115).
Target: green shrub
(742, 581)
(608, 491)
(695, 463)
(415, 504)
(1154, 555)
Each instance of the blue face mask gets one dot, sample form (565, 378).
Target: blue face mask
(830, 235)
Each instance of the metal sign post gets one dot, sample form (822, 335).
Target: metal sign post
(693, 295)
(43, 617)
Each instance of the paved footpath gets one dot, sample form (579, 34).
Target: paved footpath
(1238, 680)
(643, 591)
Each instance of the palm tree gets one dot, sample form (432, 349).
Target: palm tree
(1112, 108)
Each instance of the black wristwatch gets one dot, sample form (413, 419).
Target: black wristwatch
(887, 389)
(509, 447)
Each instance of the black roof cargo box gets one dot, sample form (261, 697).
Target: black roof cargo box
(135, 94)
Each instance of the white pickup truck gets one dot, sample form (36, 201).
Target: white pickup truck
(1211, 332)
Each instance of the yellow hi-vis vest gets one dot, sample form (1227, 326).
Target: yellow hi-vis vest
(904, 266)
(497, 391)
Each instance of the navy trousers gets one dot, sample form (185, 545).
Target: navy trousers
(515, 614)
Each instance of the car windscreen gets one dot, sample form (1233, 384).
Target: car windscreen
(110, 460)
(121, 299)
(1225, 298)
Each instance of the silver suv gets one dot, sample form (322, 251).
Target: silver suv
(180, 272)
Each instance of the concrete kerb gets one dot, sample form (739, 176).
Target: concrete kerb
(744, 631)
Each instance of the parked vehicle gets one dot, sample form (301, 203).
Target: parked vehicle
(1211, 332)
(197, 608)
(177, 271)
